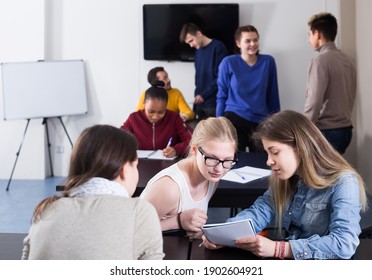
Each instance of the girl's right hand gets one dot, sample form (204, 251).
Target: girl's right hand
(193, 219)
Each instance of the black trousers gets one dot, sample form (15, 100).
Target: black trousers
(202, 113)
(244, 129)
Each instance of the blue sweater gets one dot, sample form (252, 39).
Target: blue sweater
(248, 91)
(207, 60)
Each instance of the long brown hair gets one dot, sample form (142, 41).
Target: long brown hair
(320, 164)
(100, 151)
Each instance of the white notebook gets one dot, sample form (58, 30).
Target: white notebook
(227, 233)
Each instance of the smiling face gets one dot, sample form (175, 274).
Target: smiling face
(249, 43)
(217, 150)
(163, 76)
(282, 158)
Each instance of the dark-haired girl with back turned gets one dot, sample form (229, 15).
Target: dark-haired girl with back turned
(314, 194)
(95, 217)
(156, 125)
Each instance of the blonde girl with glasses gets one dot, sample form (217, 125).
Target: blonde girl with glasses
(181, 192)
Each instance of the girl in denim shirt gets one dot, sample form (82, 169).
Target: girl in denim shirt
(315, 195)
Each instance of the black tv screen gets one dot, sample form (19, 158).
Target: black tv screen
(162, 24)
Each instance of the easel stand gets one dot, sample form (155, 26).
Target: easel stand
(45, 122)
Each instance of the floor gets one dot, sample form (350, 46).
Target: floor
(17, 204)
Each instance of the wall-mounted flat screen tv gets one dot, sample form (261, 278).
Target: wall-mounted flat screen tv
(162, 24)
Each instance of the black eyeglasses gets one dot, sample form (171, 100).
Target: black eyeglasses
(212, 162)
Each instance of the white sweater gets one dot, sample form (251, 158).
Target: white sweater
(102, 227)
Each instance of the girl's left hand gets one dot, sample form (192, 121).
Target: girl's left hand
(258, 245)
(209, 245)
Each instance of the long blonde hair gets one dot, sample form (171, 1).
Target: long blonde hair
(220, 129)
(320, 165)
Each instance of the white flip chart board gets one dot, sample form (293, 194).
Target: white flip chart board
(44, 89)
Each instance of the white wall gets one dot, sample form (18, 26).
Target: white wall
(21, 39)
(107, 34)
(364, 100)
(347, 42)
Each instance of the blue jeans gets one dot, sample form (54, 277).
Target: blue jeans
(339, 138)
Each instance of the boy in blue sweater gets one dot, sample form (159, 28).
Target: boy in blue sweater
(209, 53)
(247, 87)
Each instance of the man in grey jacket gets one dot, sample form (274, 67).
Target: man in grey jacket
(331, 83)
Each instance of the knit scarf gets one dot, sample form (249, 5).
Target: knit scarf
(99, 186)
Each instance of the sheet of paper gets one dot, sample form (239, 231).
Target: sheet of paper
(159, 155)
(144, 153)
(153, 154)
(246, 174)
(227, 233)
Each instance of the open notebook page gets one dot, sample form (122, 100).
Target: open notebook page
(158, 154)
(246, 174)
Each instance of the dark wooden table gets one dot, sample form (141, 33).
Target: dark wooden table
(364, 250)
(11, 245)
(225, 253)
(228, 194)
(175, 248)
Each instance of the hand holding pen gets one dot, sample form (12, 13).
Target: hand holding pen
(169, 151)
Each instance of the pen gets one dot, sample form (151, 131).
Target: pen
(237, 173)
(169, 142)
(186, 128)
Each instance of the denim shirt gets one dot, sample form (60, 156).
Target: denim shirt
(320, 223)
